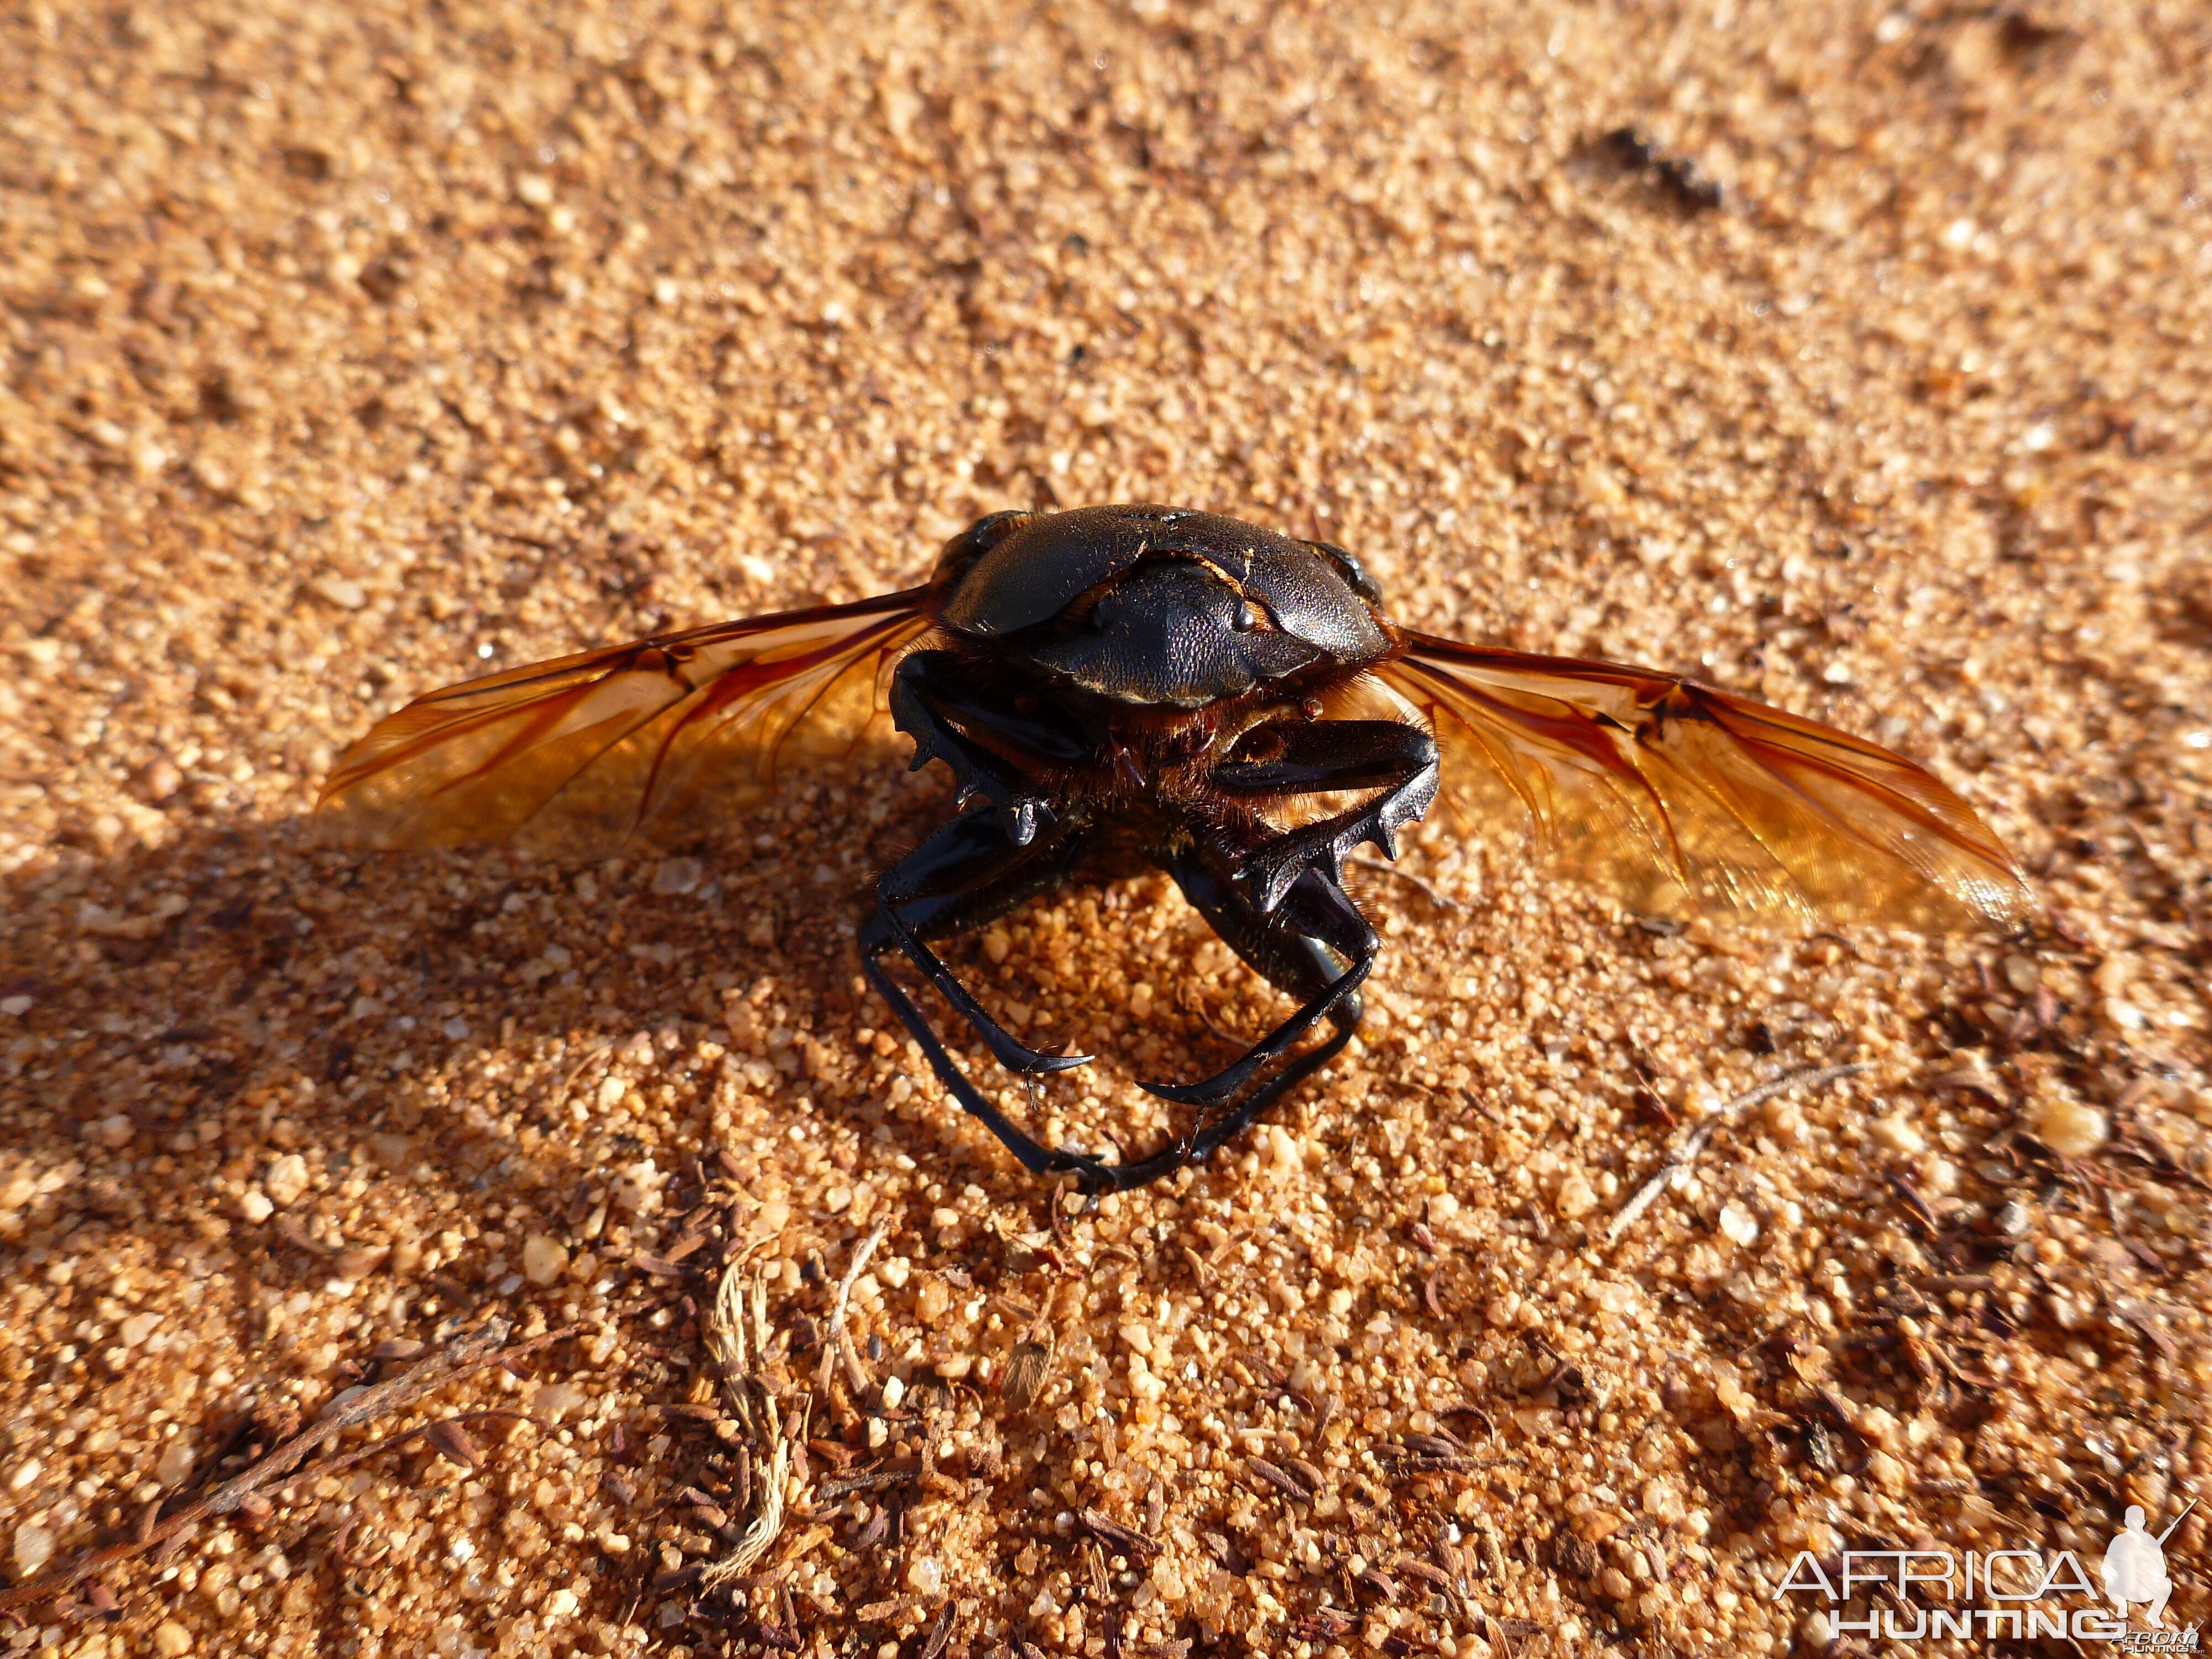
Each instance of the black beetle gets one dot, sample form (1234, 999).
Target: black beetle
(1139, 687)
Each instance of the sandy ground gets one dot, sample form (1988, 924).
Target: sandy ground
(352, 349)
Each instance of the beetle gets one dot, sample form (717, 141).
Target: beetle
(1130, 687)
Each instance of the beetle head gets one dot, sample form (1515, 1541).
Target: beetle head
(1354, 572)
(958, 556)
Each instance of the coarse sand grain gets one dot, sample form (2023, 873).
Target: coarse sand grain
(1851, 356)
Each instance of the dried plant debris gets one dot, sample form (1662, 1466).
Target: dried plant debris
(352, 351)
(288, 1460)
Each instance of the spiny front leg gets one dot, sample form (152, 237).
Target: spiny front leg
(1319, 756)
(963, 877)
(1297, 946)
(931, 703)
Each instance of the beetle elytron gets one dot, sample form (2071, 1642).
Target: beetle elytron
(1119, 688)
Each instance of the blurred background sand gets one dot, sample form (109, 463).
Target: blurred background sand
(1849, 355)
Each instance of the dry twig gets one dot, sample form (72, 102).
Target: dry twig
(840, 1344)
(1648, 1193)
(485, 1345)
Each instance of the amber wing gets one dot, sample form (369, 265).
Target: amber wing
(1675, 797)
(580, 755)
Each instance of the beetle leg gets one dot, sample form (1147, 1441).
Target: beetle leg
(926, 698)
(1095, 1177)
(1297, 947)
(1016, 1057)
(961, 878)
(1314, 944)
(1327, 754)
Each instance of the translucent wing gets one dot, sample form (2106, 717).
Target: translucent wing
(578, 755)
(1675, 797)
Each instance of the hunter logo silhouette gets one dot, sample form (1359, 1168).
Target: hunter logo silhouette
(2134, 1566)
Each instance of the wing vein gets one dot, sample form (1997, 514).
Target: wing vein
(1732, 803)
(581, 754)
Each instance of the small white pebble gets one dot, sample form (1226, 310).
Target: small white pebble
(1613, 1296)
(341, 591)
(561, 1604)
(1577, 1197)
(1896, 1132)
(26, 1471)
(114, 1131)
(176, 1462)
(286, 1179)
(894, 1392)
(543, 1259)
(554, 1401)
(34, 1547)
(171, 1640)
(678, 876)
(1738, 1223)
(930, 1302)
(136, 1329)
(611, 1091)
(255, 1207)
(2067, 1126)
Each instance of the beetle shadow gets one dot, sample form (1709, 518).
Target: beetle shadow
(178, 1014)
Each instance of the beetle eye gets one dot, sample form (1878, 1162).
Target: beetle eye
(1246, 618)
